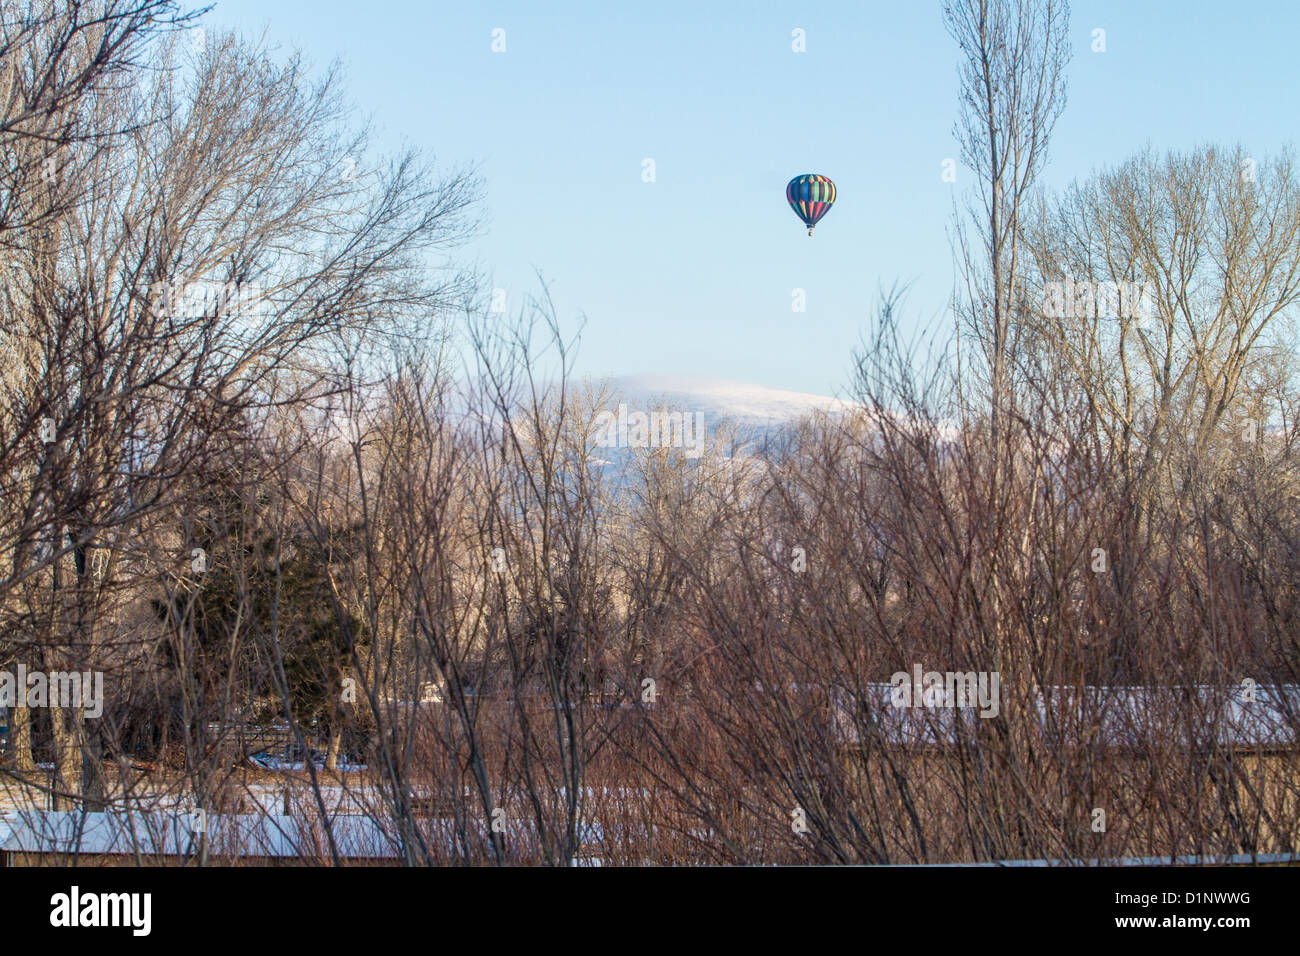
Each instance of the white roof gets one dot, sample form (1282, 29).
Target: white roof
(1114, 716)
(173, 834)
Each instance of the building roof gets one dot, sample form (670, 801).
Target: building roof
(156, 834)
(1266, 717)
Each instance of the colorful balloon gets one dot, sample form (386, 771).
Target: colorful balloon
(810, 196)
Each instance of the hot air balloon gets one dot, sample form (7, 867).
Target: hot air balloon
(810, 196)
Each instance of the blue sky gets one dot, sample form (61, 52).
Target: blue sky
(693, 274)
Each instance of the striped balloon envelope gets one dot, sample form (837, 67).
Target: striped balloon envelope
(810, 196)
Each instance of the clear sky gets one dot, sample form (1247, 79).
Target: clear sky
(693, 274)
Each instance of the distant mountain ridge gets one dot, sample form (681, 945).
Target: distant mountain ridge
(719, 399)
(698, 408)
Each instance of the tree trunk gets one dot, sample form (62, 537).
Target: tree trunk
(20, 738)
(332, 754)
(67, 757)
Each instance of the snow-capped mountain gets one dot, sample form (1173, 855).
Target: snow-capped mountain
(653, 411)
(741, 403)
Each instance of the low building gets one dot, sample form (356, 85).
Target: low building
(55, 838)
